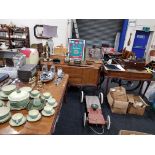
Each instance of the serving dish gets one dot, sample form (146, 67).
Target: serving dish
(15, 107)
(47, 76)
(8, 89)
(19, 98)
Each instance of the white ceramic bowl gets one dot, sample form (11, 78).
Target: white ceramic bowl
(33, 113)
(48, 109)
(8, 89)
(51, 101)
(17, 118)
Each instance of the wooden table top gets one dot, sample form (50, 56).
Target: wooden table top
(45, 125)
(129, 74)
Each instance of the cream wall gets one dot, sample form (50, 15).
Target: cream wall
(138, 24)
(64, 28)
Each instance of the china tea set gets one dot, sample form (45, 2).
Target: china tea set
(37, 104)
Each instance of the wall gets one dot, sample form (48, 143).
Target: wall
(64, 28)
(138, 24)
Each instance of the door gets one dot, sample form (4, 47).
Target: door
(140, 43)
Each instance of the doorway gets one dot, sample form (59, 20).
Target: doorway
(140, 43)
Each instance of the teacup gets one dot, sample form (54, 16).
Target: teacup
(36, 102)
(48, 109)
(51, 101)
(17, 118)
(35, 93)
(47, 95)
(33, 113)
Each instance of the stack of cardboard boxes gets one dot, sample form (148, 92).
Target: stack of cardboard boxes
(121, 103)
(117, 99)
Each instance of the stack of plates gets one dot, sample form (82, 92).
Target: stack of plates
(4, 114)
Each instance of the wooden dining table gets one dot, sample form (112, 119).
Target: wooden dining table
(46, 125)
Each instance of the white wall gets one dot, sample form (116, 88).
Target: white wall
(64, 28)
(138, 24)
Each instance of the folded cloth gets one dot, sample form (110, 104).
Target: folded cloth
(26, 52)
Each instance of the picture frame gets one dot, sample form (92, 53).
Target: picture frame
(76, 49)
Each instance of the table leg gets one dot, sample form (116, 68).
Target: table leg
(107, 86)
(141, 86)
(148, 84)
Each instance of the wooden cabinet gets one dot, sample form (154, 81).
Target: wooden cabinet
(80, 76)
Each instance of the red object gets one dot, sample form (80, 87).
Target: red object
(26, 52)
(95, 116)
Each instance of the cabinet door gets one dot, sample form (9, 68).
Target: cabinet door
(90, 76)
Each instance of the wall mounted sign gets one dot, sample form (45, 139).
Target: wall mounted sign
(76, 48)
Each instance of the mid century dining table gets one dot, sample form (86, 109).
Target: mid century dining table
(46, 125)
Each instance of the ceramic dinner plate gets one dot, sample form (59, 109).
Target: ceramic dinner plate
(47, 115)
(12, 123)
(5, 119)
(55, 104)
(34, 120)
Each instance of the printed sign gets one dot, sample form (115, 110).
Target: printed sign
(76, 48)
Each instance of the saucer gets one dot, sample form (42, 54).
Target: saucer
(5, 119)
(12, 123)
(46, 115)
(34, 120)
(54, 105)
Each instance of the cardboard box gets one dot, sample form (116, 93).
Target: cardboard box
(128, 132)
(117, 106)
(139, 110)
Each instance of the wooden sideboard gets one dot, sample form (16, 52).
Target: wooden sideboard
(84, 75)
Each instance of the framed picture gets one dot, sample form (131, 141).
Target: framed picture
(76, 48)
